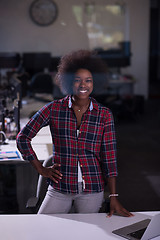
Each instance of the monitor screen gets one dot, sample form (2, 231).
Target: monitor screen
(36, 62)
(9, 60)
(117, 57)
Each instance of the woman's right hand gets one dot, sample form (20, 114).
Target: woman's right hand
(51, 172)
(48, 172)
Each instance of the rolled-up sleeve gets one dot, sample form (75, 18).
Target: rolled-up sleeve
(25, 136)
(109, 147)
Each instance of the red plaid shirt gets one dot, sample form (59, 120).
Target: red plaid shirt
(94, 148)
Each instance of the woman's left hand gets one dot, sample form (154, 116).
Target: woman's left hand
(116, 207)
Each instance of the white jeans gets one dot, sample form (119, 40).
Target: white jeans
(56, 202)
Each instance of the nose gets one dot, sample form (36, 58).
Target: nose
(82, 83)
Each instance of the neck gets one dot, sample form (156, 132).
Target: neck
(80, 103)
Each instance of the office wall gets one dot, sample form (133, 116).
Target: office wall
(18, 33)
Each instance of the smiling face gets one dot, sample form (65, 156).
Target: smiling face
(83, 83)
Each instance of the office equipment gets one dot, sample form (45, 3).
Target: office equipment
(2, 138)
(18, 177)
(34, 203)
(34, 62)
(117, 58)
(9, 60)
(143, 230)
(2, 116)
(10, 104)
(64, 226)
(16, 93)
(40, 148)
(9, 155)
(41, 83)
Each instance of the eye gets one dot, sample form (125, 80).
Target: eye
(89, 80)
(77, 79)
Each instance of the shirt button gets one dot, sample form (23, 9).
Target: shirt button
(77, 154)
(79, 132)
(83, 177)
(81, 165)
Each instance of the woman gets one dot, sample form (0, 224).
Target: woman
(84, 141)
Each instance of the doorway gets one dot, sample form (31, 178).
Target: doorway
(154, 51)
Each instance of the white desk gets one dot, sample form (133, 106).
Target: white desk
(119, 86)
(65, 226)
(24, 175)
(41, 144)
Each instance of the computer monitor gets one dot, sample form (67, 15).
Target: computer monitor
(9, 60)
(117, 57)
(36, 62)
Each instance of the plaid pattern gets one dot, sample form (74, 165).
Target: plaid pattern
(94, 148)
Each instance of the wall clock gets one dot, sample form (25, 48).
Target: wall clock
(43, 12)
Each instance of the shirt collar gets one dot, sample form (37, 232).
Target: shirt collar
(70, 104)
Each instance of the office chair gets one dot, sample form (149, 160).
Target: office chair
(41, 83)
(34, 203)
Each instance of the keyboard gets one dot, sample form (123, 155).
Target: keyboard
(137, 234)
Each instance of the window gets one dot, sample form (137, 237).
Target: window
(105, 24)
